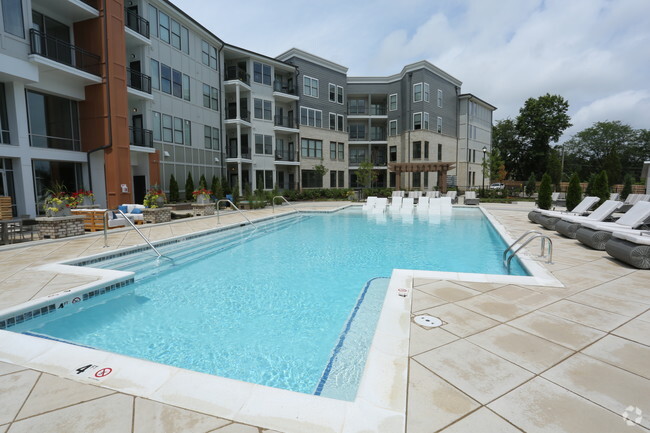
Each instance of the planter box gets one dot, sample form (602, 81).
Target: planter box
(203, 209)
(157, 215)
(60, 227)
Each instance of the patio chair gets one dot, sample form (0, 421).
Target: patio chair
(633, 199)
(398, 194)
(470, 198)
(615, 196)
(445, 205)
(568, 225)
(596, 234)
(583, 207)
(370, 203)
(558, 199)
(433, 194)
(407, 205)
(633, 249)
(453, 195)
(395, 204)
(423, 205)
(380, 206)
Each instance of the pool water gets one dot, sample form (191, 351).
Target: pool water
(275, 306)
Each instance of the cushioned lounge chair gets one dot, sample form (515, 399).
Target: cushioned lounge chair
(407, 205)
(596, 234)
(380, 205)
(633, 199)
(583, 207)
(369, 204)
(470, 198)
(453, 195)
(423, 206)
(395, 204)
(633, 249)
(568, 225)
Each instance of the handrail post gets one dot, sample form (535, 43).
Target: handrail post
(237, 209)
(106, 228)
(139, 232)
(287, 201)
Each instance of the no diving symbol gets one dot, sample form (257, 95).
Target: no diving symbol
(103, 372)
(75, 300)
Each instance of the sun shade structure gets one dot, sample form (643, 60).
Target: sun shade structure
(422, 167)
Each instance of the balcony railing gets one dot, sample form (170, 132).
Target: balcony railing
(285, 155)
(377, 110)
(284, 87)
(376, 162)
(136, 23)
(378, 136)
(232, 152)
(63, 52)
(286, 122)
(138, 81)
(140, 137)
(231, 113)
(358, 137)
(357, 111)
(237, 74)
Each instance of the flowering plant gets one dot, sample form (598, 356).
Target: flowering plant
(81, 195)
(201, 191)
(57, 202)
(154, 197)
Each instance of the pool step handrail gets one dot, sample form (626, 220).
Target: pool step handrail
(287, 201)
(535, 235)
(139, 232)
(234, 207)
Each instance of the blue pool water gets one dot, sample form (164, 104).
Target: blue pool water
(269, 306)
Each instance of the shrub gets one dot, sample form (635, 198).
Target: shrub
(627, 187)
(202, 182)
(590, 184)
(173, 189)
(530, 185)
(601, 187)
(574, 192)
(189, 187)
(545, 192)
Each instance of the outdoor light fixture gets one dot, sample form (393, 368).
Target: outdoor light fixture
(216, 159)
(166, 154)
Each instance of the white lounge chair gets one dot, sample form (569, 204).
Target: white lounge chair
(380, 206)
(398, 194)
(596, 234)
(633, 199)
(470, 198)
(537, 215)
(445, 205)
(453, 195)
(433, 194)
(435, 205)
(369, 204)
(631, 248)
(395, 204)
(615, 196)
(407, 206)
(415, 194)
(423, 205)
(568, 225)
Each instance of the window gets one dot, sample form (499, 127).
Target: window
(339, 120)
(205, 53)
(164, 27)
(341, 179)
(392, 102)
(417, 149)
(263, 144)
(262, 109)
(213, 57)
(216, 139)
(417, 120)
(187, 132)
(333, 121)
(426, 120)
(268, 179)
(439, 126)
(12, 15)
(214, 98)
(357, 106)
(185, 40)
(157, 125)
(426, 150)
(357, 156)
(165, 78)
(206, 95)
(153, 20)
(339, 94)
(392, 153)
(417, 92)
(416, 180)
(332, 179)
(439, 152)
(177, 83)
(178, 130)
(425, 176)
(53, 122)
(333, 150)
(310, 86)
(357, 131)
(341, 154)
(207, 137)
(439, 98)
(168, 132)
(332, 92)
(311, 179)
(311, 117)
(186, 87)
(155, 74)
(426, 92)
(261, 73)
(176, 35)
(311, 148)
(392, 127)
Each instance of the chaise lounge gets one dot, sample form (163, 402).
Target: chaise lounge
(568, 225)
(596, 234)
(540, 215)
(633, 249)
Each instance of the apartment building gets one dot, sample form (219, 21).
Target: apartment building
(118, 96)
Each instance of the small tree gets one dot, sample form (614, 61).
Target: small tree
(366, 175)
(590, 184)
(173, 189)
(320, 169)
(601, 187)
(189, 187)
(627, 187)
(574, 192)
(225, 186)
(203, 183)
(531, 185)
(554, 168)
(217, 189)
(544, 200)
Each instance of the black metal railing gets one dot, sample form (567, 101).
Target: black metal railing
(232, 152)
(377, 110)
(231, 113)
(286, 155)
(237, 74)
(64, 52)
(285, 121)
(138, 81)
(284, 87)
(378, 136)
(358, 137)
(136, 22)
(140, 137)
(376, 162)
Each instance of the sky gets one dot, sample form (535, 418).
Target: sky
(594, 53)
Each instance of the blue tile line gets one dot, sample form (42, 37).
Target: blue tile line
(47, 337)
(339, 345)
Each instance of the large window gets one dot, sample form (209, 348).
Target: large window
(12, 16)
(392, 102)
(357, 131)
(311, 179)
(167, 128)
(311, 117)
(178, 130)
(341, 152)
(263, 144)
(164, 27)
(185, 40)
(4, 122)
(417, 149)
(176, 35)
(310, 86)
(208, 55)
(210, 97)
(339, 122)
(357, 155)
(392, 153)
(357, 106)
(155, 74)
(262, 109)
(165, 78)
(417, 120)
(157, 126)
(53, 121)
(153, 20)
(332, 92)
(261, 73)
(311, 148)
(211, 138)
(333, 150)
(48, 173)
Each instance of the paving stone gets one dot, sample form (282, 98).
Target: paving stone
(14, 389)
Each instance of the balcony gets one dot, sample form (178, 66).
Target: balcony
(377, 110)
(232, 152)
(64, 53)
(140, 137)
(231, 114)
(284, 91)
(378, 136)
(136, 23)
(358, 137)
(234, 73)
(287, 157)
(73, 10)
(376, 162)
(138, 81)
(285, 122)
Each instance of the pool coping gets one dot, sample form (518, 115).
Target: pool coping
(380, 404)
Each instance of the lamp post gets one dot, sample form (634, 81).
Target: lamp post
(484, 169)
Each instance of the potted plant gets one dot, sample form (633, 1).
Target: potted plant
(202, 195)
(154, 198)
(83, 198)
(58, 202)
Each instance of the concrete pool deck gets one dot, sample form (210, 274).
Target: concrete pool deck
(508, 358)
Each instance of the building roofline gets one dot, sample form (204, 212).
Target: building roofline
(192, 20)
(422, 64)
(474, 97)
(296, 52)
(263, 56)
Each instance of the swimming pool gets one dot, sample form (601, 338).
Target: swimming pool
(272, 306)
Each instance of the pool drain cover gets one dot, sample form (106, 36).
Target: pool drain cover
(427, 321)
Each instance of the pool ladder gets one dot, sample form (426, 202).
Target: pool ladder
(236, 208)
(530, 235)
(287, 201)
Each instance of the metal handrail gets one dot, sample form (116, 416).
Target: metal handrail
(544, 238)
(236, 208)
(132, 225)
(287, 201)
(518, 239)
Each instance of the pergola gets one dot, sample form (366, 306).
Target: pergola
(419, 167)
